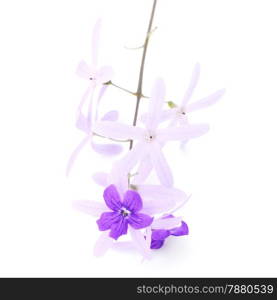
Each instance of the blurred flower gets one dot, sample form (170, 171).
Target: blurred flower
(96, 76)
(178, 113)
(85, 124)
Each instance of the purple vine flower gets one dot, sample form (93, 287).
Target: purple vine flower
(159, 236)
(123, 214)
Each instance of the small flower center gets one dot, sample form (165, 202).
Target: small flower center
(150, 137)
(91, 78)
(124, 212)
(182, 112)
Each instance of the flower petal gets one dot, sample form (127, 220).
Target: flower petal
(167, 223)
(104, 74)
(100, 178)
(82, 123)
(118, 177)
(164, 116)
(140, 242)
(161, 192)
(144, 169)
(84, 70)
(110, 116)
(107, 149)
(182, 230)
(192, 84)
(92, 208)
(182, 132)
(107, 219)
(123, 246)
(101, 93)
(160, 199)
(132, 158)
(95, 42)
(161, 166)
(138, 221)
(132, 201)
(155, 104)
(205, 102)
(89, 92)
(103, 244)
(148, 233)
(157, 244)
(117, 130)
(119, 228)
(160, 234)
(152, 207)
(112, 198)
(180, 205)
(75, 153)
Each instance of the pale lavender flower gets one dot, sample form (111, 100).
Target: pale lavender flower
(94, 75)
(178, 113)
(151, 138)
(85, 124)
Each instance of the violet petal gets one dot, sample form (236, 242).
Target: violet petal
(112, 198)
(107, 219)
(107, 149)
(138, 221)
(160, 234)
(157, 244)
(132, 201)
(119, 228)
(182, 230)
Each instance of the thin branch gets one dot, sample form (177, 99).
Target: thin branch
(142, 46)
(124, 89)
(111, 139)
(141, 73)
(119, 87)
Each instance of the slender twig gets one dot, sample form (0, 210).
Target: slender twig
(141, 73)
(114, 140)
(123, 89)
(141, 47)
(120, 87)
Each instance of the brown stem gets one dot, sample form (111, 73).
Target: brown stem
(141, 73)
(123, 89)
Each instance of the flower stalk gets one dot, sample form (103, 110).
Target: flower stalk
(141, 73)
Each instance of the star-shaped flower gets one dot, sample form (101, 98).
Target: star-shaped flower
(94, 75)
(157, 199)
(124, 213)
(178, 113)
(151, 138)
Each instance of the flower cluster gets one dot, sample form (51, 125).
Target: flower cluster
(132, 206)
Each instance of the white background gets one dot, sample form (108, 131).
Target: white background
(230, 172)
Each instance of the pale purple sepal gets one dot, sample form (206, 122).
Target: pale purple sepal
(107, 149)
(103, 244)
(100, 178)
